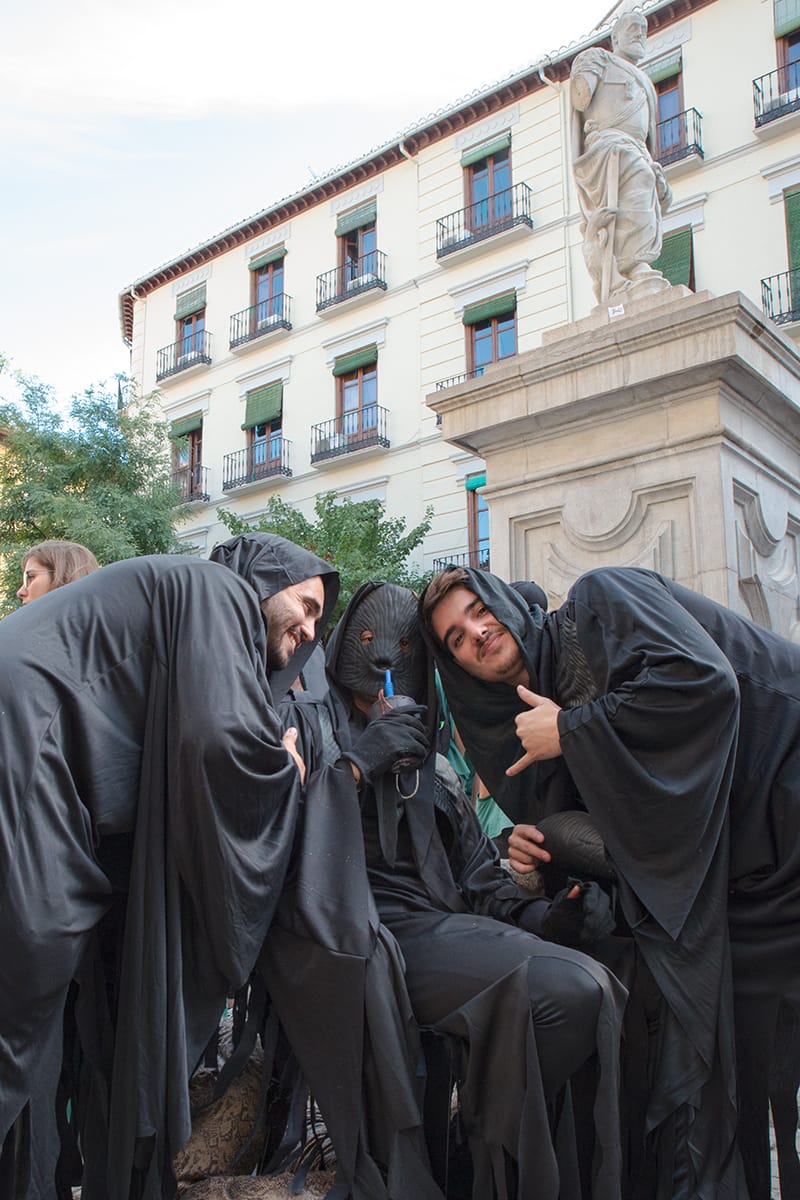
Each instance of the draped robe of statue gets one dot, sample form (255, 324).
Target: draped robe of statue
(620, 187)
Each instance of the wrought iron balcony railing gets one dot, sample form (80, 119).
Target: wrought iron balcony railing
(352, 431)
(185, 353)
(780, 297)
(776, 94)
(356, 276)
(503, 210)
(479, 559)
(455, 380)
(679, 137)
(192, 483)
(259, 461)
(261, 318)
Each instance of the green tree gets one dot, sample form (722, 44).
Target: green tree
(355, 535)
(100, 476)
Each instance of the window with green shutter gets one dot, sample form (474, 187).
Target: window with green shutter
(786, 14)
(190, 302)
(264, 405)
(357, 218)
(186, 425)
(491, 329)
(345, 364)
(676, 260)
(792, 209)
(484, 310)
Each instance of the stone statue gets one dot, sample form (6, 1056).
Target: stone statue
(621, 189)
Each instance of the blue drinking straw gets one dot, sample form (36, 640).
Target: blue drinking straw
(388, 686)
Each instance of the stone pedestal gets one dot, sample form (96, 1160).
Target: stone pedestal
(666, 437)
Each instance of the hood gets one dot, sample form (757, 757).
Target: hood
(484, 712)
(390, 613)
(270, 563)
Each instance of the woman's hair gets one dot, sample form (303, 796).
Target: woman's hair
(66, 560)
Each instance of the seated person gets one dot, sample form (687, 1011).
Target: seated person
(529, 1012)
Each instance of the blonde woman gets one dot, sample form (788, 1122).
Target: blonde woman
(52, 564)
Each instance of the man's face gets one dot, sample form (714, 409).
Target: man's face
(476, 639)
(629, 37)
(292, 616)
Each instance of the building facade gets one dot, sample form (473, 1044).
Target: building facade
(294, 352)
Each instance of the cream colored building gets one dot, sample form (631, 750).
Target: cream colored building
(296, 350)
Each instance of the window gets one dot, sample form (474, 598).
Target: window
(356, 233)
(358, 403)
(265, 443)
(268, 293)
(676, 260)
(263, 423)
(187, 456)
(191, 336)
(669, 94)
(789, 60)
(190, 321)
(491, 330)
(477, 523)
(488, 183)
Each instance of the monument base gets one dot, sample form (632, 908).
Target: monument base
(667, 437)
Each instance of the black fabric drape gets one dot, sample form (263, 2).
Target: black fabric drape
(270, 563)
(683, 747)
(345, 903)
(140, 758)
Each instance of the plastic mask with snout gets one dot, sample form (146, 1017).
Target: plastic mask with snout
(382, 632)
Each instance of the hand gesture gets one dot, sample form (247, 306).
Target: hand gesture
(537, 730)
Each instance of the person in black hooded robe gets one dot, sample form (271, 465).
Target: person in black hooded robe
(528, 1012)
(147, 811)
(675, 723)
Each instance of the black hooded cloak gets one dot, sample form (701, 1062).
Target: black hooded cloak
(679, 734)
(443, 889)
(147, 812)
(270, 563)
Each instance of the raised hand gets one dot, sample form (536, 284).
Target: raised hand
(537, 730)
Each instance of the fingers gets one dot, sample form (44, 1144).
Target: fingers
(532, 698)
(521, 763)
(289, 740)
(524, 844)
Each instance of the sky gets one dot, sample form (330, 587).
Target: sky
(131, 132)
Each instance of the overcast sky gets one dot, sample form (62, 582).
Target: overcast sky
(130, 133)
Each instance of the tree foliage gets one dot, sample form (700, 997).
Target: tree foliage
(355, 535)
(100, 476)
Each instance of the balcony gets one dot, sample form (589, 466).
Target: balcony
(357, 276)
(479, 559)
(776, 94)
(192, 483)
(260, 319)
(189, 352)
(264, 460)
(780, 297)
(358, 430)
(509, 209)
(454, 380)
(679, 138)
